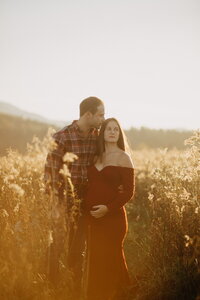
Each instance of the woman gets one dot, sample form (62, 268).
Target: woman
(107, 274)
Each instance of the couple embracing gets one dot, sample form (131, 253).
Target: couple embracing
(103, 178)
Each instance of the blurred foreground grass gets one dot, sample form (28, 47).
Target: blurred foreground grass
(162, 246)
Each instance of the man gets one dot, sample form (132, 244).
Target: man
(79, 138)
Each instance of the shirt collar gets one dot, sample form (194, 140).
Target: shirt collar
(77, 128)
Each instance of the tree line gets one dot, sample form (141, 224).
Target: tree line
(16, 132)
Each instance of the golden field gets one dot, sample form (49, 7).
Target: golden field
(162, 246)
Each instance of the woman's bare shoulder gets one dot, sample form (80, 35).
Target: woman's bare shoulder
(125, 160)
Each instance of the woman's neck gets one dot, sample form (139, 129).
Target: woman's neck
(111, 147)
(105, 158)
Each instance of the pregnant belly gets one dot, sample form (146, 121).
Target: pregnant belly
(102, 194)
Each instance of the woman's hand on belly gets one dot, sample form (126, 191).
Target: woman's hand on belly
(99, 211)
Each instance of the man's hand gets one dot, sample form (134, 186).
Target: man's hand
(100, 211)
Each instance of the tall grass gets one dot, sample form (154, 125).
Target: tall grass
(162, 247)
(163, 244)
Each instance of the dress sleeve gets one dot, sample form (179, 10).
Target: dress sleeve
(128, 182)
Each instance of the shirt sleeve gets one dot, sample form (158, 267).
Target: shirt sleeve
(128, 182)
(54, 162)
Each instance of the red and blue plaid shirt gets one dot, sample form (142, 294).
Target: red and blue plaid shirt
(69, 139)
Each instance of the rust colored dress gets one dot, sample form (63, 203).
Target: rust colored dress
(107, 273)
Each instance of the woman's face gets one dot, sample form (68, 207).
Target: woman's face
(111, 133)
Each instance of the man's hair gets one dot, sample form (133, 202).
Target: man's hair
(90, 104)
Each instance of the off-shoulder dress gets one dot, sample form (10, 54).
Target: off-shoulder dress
(107, 273)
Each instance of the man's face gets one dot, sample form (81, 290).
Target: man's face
(97, 119)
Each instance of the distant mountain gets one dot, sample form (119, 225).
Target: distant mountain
(16, 132)
(9, 109)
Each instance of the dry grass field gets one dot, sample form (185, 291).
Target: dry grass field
(162, 246)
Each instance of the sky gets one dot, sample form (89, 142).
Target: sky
(141, 57)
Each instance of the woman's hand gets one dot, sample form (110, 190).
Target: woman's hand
(100, 211)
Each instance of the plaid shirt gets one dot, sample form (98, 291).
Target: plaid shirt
(69, 139)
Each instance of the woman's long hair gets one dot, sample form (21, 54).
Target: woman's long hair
(121, 143)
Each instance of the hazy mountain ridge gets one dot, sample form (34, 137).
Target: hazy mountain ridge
(16, 132)
(10, 109)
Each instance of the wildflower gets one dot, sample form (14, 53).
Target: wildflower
(16, 208)
(137, 218)
(4, 213)
(187, 178)
(8, 178)
(189, 241)
(163, 151)
(69, 157)
(17, 189)
(50, 237)
(150, 196)
(65, 171)
(182, 208)
(185, 195)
